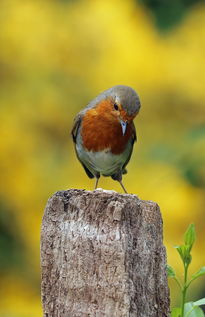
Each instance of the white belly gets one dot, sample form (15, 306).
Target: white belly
(103, 162)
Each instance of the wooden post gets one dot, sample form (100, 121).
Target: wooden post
(102, 255)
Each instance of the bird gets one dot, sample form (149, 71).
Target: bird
(104, 133)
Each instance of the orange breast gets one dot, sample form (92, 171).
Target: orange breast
(101, 130)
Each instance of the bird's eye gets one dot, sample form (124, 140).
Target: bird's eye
(116, 106)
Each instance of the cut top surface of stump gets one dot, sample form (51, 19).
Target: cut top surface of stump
(102, 255)
(103, 202)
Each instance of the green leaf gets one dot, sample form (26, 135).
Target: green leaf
(190, 236)
(199, 273)
(176, 311)
(200, 302)
(180, 250)
(188, 259)
(184, 252)
(170, 271)
(191, 310)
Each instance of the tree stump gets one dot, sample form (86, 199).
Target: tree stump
(102, 255)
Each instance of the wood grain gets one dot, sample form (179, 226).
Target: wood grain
(102, 255)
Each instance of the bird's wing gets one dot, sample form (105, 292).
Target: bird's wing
(74, 133)
(133, 139)
(76, 126)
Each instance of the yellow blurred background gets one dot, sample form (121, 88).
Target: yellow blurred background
(55, 56)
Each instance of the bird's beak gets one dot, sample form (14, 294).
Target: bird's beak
(124, 126)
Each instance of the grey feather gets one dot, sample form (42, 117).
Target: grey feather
(124, 95)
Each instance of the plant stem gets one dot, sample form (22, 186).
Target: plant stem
(184, 289)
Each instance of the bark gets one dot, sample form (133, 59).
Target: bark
(102, 255)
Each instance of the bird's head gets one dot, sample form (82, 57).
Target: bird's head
(117, 104)
(124, 104)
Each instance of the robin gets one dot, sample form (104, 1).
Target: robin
(104, 133)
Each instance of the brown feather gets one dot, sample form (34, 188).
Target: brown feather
(102, 130)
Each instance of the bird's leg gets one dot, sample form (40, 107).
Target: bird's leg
(118, 177)
(96, 182)
(120, 181)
